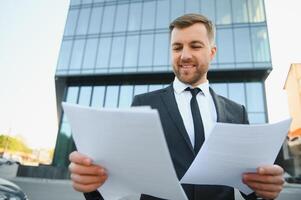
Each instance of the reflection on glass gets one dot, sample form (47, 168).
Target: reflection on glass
(83, 19)
(140, 89)
(75, 2)
(255, 97)
(98, 96)
(256, 11)
(161, 49)
(77, 54)
(223, 12)
(71, 22)
(65, 52)
(261, 50)
(220, 88)
(121, 17)
(95, 20)
(111, 96)
(208, 9)
(162, 19)
(135, 16)
(148, 20)
(72, 93)
(131, 51)
(85, 95)
(237, 92)
(108, 16)
(225, 51)
(117, 52)
(146, 50)
(243, 45)
(90, 54)
(103, 53)
(126, 96)
(240, 12)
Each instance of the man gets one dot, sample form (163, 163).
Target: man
(192, 50)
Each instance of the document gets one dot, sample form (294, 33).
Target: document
(131, 145)
(233, 149)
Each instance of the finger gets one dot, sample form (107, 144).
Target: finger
(267, 179)
(270, 170)
(87, 170)
(79, 158)
(86, 188)
(86, 179)
(267, 195)
(265, 187)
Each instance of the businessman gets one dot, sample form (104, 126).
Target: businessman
(188, 109)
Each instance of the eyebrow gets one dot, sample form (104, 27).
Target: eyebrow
(192, 42)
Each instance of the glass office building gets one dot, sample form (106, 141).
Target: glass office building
(114, 49)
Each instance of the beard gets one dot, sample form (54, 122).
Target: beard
(192, 76)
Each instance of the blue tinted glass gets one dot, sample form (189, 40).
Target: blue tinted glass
(65, 129)
(65, 53)
(148, 20)
(255, 97)
(111, 96)
(225, 51)
(256, 118)
(146, 50)
(192, 6)
(237, 92)
(121, 17)
(71, 22)
(177, 9)
(82, 24)
(107, 22)
(95, 20)
(155, 87)
(103, 53)
(240, 12)
(208, 9)
(98, 96)
(256, 11)
(140, 89)
(243, 45)
(220, 88)
(77, 54)
(75, 2)
(223, 9)
(72, 94)
(90, 54)
(131, 52)
(87, 1)
(161, 49)
(135, 16)
(162, 19)
(126, 96)
(260, 44)
(85, 95)
(117, 52)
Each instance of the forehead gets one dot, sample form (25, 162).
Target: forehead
(195, 32)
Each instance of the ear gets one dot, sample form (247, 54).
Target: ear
(212, 52)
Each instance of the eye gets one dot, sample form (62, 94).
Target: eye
(176, 48)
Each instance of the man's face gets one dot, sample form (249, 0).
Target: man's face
(192, 53)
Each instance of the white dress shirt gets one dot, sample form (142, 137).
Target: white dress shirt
(205, 103)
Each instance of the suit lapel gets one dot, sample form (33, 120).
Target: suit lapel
(219, 106)
(169, 100)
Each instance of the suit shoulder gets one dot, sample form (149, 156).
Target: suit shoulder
(148, 98)
(229, 102)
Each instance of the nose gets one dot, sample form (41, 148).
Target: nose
(185, 54)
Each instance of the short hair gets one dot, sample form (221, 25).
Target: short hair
(190, 19)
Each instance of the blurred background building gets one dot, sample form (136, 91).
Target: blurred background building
(113, 50)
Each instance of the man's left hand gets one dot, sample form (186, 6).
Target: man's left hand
(267, 182)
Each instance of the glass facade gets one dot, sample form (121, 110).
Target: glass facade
(121, 40)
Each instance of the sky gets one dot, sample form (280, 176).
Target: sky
(31, 32)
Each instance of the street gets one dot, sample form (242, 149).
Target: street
(45, 189)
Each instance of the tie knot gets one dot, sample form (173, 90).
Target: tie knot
(193, 91)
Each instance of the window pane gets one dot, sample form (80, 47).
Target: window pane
(140, 89)
(223, 8)
(71, 22)
(126, 96)
(72, 94)
(155, 87)
(135, 16)
(86, 1)
(75, 2)
(65, 130)
(161, 49)
(261, 50)
(111, 96)
(225, 51)
(256, 118)
(98, 96)
(240, 12)
(107, 22)
(208, 9)
(146, 50)
(95, 20)
(162, 20)
(65, 53)
(121, 17)
(192, 6)
(255, 97)
(103, 53)
(117, 52)
(90, 54)
(243, 45)
(177, 9)
(131, 52)
(220, 88)
(77, 54)
(83, 21)
(148, 20)
(85, 95)
(256, 11)
(237, 92)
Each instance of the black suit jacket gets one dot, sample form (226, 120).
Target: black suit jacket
(180, 148)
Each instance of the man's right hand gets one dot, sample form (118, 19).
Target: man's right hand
(85, 176)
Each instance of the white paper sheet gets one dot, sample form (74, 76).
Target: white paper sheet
(130, 144)
(233, 149)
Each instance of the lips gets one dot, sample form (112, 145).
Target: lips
(187, 66)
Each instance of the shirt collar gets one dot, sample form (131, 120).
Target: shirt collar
(180, 87)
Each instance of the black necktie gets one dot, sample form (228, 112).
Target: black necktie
(199, 136)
